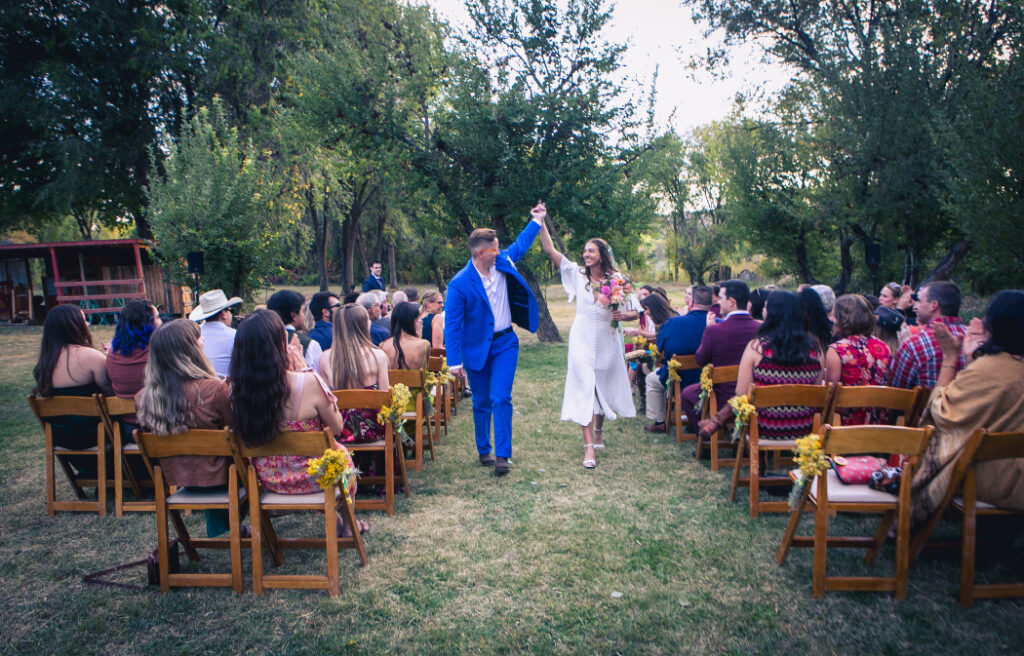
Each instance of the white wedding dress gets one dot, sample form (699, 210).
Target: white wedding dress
(596, 381)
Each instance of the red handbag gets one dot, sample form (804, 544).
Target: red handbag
(856, 470)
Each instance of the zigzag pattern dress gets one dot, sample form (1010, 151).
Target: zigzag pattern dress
(785, 422)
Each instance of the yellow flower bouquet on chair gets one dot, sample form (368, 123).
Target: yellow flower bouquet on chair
(334, 467)
(810, 461)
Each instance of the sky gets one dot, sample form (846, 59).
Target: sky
(662, 34)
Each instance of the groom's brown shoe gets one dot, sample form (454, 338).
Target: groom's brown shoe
(501, 466)
(486, 460)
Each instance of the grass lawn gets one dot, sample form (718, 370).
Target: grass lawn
(478, 564)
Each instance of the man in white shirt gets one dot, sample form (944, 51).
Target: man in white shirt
(214, 311)
(288, 305)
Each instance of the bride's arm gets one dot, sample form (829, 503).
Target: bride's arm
(549, 246)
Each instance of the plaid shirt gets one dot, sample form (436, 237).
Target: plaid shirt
(919, 359)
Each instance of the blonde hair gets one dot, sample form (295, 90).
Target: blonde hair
(428, 297)
(174, 359)
(351, 339)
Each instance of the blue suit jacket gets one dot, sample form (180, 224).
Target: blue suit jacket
(469, 322)
(681, 336)
(372, 283)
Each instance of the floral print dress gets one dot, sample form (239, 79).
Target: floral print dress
(865, 361)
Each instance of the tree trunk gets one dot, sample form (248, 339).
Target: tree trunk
(392, 267)
(319, 222)
(439, 278)
(803, 261)
(949, 263)
(547, 331)
(845, 264)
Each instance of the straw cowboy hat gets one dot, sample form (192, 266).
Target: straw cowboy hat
(211, 303)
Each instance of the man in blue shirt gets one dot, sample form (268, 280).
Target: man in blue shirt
(374, 281)
(322, 307)
(678, 336)
(371, 302)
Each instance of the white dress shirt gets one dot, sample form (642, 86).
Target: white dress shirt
(218, 340)
(497, 297)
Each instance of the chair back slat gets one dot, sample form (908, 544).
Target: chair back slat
(408, 377)
(725, 374)
(1000, 446)
(770, 396)
(289, 443)
(850, 440)
(369, 399)
(82, 406)
(437, 352)
(116, 406)
(687, 362)
(877, 396)
(435, 363)
(194, 442)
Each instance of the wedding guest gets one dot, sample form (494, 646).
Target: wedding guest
(218, 336)
(129, 350)
(432, 313)
(412, 295)
(756, 304)
(182, 391)
(986, 394)
(372, 304)
(288, 305)
(69, 365)
(267, 398)
(856, 358)
(374, 280)
(405, 348)
(322, 307)
(816, 319)
(919, 358)
(890, 294)
(887, 327)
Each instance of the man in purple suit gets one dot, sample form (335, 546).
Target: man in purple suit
(723, 343)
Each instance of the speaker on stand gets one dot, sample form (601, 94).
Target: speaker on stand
(195, 268)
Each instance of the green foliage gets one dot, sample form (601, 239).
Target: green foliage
(215, 199)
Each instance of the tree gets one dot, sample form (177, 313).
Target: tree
(215, 198)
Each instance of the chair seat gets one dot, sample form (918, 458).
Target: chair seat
(774, 444)
(131, 447)
(186, 495)
(84, 449)
(958, 503)
(379, 444)
(408, 415)
(839, 492)
(278, 499)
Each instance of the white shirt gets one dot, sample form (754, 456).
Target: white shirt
(218, 340)
(736, 312)
(313, 351)
(497, 297)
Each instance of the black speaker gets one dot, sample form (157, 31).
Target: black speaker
(195, 262)
(873, 255)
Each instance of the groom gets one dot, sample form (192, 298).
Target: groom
(483, 300)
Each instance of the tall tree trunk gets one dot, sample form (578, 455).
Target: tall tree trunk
(319, 222)
(845, 263)
(547, 331)
(348, 247)
(439, 278)
(803, 261)
(392, 267)
(949, 263)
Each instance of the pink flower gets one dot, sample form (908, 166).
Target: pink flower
(606, 290)
(603, 300)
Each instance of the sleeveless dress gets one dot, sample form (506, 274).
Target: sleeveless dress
(785, 422)
(596, 382)
(865, 361)
(287, 474)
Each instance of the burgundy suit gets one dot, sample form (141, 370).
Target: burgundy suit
(722, 345)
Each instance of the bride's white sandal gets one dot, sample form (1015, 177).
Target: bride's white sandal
(598, 436)
(589, 463)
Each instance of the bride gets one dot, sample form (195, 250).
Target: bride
(596, 384)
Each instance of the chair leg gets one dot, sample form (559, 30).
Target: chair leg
(234, 532)
(794, 522)
(430, 440)
(405, 477)
(968, 544)
(389, 475)
(118, 473)
(820, 548)
(331, 542)
(161, 531)
(101, 470)
(902, 554)
(183, 536)
(256, 526)
(51, 485)
(884, 524)
(350, 517)
(755, 480)
(740, 450)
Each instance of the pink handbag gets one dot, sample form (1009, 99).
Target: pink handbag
(856, 470)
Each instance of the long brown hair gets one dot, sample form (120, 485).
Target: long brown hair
(174, 359)
(605, 251)
(351, 339)
(64, 326)
(259, 377)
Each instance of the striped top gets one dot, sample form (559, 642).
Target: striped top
(785, 422)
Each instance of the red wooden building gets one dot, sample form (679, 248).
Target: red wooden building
(100, 276)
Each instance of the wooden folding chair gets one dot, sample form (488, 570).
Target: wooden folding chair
(896, 399)
(310, 444)
(80, 406)
(829, 496)
(456, 387)
(389, 447)
(442, 399)
(773, 396)
(413, 379)
(717, 439)
(673, 403)
(981, 447)
(112, 409)
(194, 442)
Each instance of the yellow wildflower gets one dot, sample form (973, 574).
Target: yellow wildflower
(811, 462)
(743, 410)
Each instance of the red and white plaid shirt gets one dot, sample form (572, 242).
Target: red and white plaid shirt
(919, 359)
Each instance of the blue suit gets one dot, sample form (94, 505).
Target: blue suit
(681, 336)
(489, 361)
(372, 283)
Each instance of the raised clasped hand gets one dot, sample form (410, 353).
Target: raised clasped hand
(539, 212)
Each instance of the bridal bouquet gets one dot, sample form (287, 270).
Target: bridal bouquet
(612, 291)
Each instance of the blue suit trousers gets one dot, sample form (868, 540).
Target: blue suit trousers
(492, 396)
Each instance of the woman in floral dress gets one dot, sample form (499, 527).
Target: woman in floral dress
(857, 358)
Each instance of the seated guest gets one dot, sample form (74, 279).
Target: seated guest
(267, 398)
(322, 307)
(783, 353)
(655, 311)
(411, 294)
(756, 304)
(384, 320)
(432, 313)
(827, 296)
(890, 295)
(374, 281)
(919, 358)
(218, 336)
(986, 394)
(350, 297)
(129, 351)
(856, 358)
(405, 348)
(887, 326)
(288, 305)
(68, 365)
(398, 297)
(372, 304)
(723, 343)
(182, 392)
(816, 319)
(679, 335)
